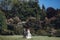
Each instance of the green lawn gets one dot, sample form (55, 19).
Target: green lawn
(16, 37)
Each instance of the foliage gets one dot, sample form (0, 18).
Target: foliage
(22, 11)
(3, 20)
(51, 12)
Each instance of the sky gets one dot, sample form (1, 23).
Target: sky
(50, 3)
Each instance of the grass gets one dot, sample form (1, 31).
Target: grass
(16, 37)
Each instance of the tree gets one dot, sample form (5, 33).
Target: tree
(43, 13)
(6, 5)
(24, 10)
(3, 24)
(50, 12)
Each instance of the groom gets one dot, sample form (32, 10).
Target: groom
(24, 32)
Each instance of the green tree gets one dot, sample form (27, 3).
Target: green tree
(50, 12)
(3, 20)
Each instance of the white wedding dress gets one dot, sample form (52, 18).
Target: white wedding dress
(28, 36)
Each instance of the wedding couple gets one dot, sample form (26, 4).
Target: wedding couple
(27, 33)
